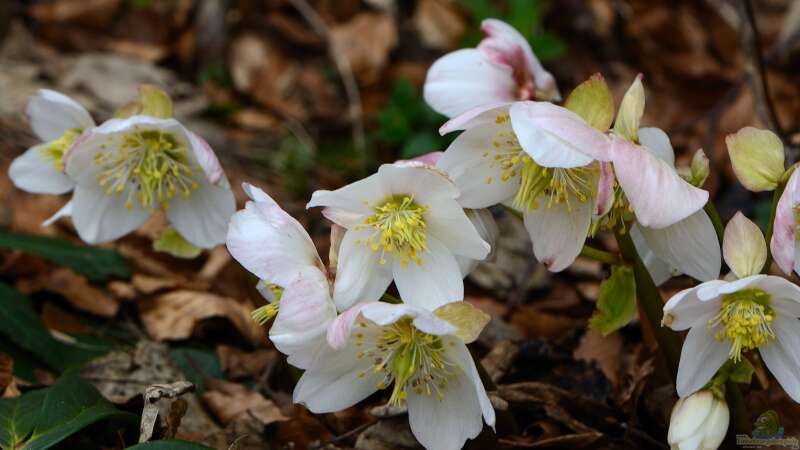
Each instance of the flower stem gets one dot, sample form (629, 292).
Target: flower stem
(600, 255)
(776, 196)
(741, 422)
(711, 210)
(650, 300)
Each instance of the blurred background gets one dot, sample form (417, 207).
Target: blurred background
(299, 95)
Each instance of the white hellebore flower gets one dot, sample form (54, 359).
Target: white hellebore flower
(698, 422)
(423, 353)
(785, 242)
(403, 223)
(728, 318)
(125, 169)
(277, 249)
(502, 69)
(689, 246)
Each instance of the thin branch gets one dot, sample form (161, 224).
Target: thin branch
(342, 66)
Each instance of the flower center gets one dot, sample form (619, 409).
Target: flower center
(152, 163)
(555, 185)
(399, 225)
(505, 151)
(745, 318)
(412, 359)
(54, 152)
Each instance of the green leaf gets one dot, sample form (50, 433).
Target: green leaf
(616, 304)
(742, 372)
(524, 15)
(19, 322)
(97, 264)
(169, 445)
(197, 364)
(548, 46)
(40, 419)
(172, 243)
(421, 143)
(481, 9)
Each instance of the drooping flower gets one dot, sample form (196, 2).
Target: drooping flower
(422, 353)
(689, 246)
(785, 242)
(272, 245)
(57, 121)
(503, 68)
(698, 422)
(403, 223)
(125, 169)
(727, 319)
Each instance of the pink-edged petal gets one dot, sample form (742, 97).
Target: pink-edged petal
(605, 190)
(340, 328)
(202, 219)
(34, 172)
(360, 277)
(782, 243)
(206, 157)
(685, 310)
(465, 79)
(65, 211)
(558, 232)
(306, 310)
(480, 115)
(355, 197)
(689, 245)
(658, 195)
(701, 356)
(99, 217)
(52, 113)
(435, 282)
(469, 161)
(656, 141)
(782, 356)
(429, 158)
(557, 137)
(269, 242)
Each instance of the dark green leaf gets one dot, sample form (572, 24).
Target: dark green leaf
(197, 364)
(616, 304)
(481, 9)
(40, 419)
(169, 445)
(20, 324)
(548, 46)
(421, 143)
(524, 15)
(97, 264)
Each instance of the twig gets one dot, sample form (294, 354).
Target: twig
(754, 66)
(342, 65)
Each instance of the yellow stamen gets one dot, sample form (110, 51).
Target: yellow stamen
(399, 229)
(745, 318)
(55, 150)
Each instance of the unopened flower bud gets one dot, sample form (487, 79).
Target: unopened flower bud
(757, 158)
(699, 422)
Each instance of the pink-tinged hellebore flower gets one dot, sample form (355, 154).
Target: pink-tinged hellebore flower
(543, 159)
(374, 345)
(698, 422)
(689, 246)
(728, 318)
(125, 169)
(785, 242)
(403, 223)
(502, 68)
(277, 249)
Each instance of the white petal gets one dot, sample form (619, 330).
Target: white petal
(203, 218)
(425, 184)
(783, 243)
(386, 314)
(343, 218)
(689, 245)
(480, 115)
(465, 79)
(716, 426)
(355, 197)
(269, 242)
(434, 283)
(705, 292)
(33, 172)
(656, 141)
(306, 309)
(484, 222)
(465, 163)
(558, 232)
(461, 355)
(660, 271)
(782, 356)
(360, 277)
(689, 415)
(449, 224)
(333, 383)
(52, 113)
(206, 158)
(701, 356)
(99, 217)
(685, 310)
(65, 211)
(785, 295)
(557, 137)
(446, 424)
(743, 246)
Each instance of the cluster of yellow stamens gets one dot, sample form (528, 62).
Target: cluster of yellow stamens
(264, 314)
(55, 150)
(399, 225)
(506, 151)
(745, 318)
(152, 166)
(413, 360)
(554, 185)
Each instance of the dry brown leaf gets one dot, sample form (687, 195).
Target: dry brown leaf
(96, 11)
(231, 401)
(239, 364)
(218, 258)
(605, 351)
(76, 290)
(59, 319)
(157, 397)
(6, 372)
(366, 41)
(122, 290)
(533, 323)
(439, 24)
(175, 314)
(149, 285)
